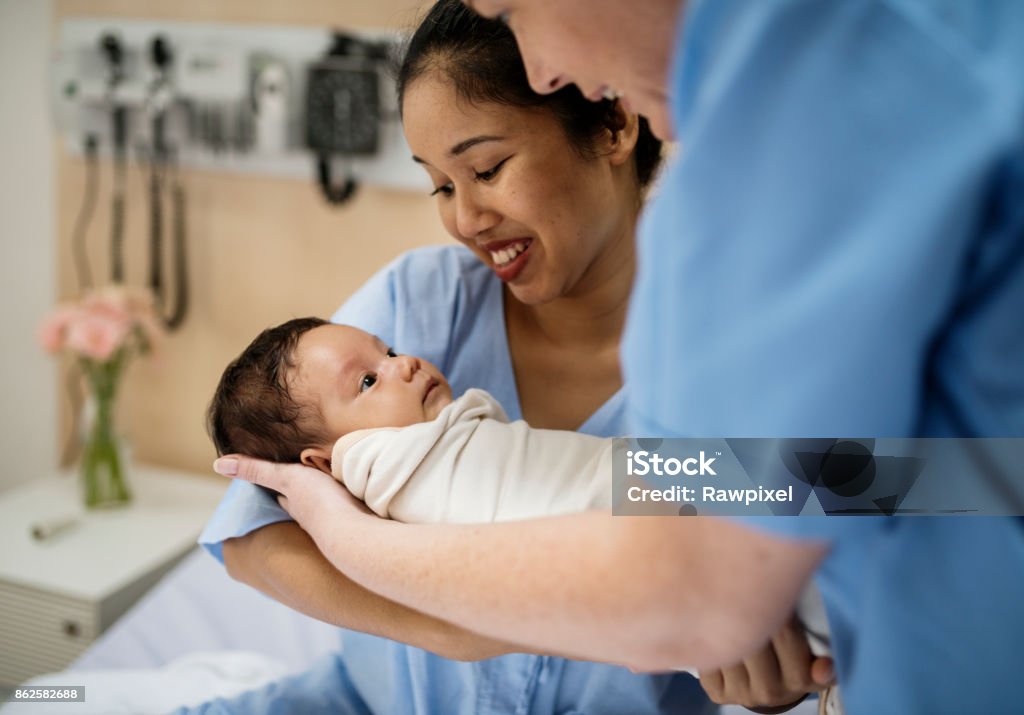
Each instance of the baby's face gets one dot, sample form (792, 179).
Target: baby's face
(359, 383)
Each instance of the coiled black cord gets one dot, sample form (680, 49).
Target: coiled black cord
(120, 149)
(180, 308)
(79, 236)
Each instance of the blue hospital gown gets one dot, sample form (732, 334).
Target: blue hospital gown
(442, 304)
(839, 252)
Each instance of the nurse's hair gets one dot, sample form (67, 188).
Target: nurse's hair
(481, 57)
(252, 411)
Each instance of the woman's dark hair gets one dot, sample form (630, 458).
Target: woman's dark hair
(482, 59)
(252, 411)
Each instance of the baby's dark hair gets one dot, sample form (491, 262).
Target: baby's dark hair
(252, 411)
(481, 58)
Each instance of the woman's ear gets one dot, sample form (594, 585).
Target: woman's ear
(622, 139)
(318, 458)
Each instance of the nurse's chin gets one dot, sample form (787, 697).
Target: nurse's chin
(660, 120)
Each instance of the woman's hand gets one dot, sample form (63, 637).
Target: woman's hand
(310, 496)
(775, 678)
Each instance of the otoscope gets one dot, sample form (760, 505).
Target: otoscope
(162, 164)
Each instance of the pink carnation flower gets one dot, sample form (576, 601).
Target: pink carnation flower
(51, 332)
(105, 320)
(97, 336)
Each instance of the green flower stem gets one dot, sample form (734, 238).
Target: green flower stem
(102, 470)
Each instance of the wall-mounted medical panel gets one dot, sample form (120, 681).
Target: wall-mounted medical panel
(284, 101)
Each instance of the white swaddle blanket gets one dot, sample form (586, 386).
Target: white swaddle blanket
(471, 465)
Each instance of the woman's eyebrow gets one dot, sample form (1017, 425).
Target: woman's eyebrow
(467, 144)
(464, 146)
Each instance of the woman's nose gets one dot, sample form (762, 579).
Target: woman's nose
(403, 367)
(472, 216)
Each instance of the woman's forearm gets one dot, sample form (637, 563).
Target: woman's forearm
(282, 561)
(648, 592)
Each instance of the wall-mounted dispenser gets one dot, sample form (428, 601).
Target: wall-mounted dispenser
(343, 109)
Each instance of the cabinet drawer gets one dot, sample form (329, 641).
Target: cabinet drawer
(41, 631)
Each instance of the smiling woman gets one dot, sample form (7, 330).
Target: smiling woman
(527, 202)
(542, 188)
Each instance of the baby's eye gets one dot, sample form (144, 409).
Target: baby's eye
(391, 353)
(367, 381)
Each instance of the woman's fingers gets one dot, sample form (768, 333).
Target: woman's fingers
(823, 672)
(794, 657)
(226, 466)
(713, 682)
(728, 686)
(265, 474)
(770, 680)
(766, 685)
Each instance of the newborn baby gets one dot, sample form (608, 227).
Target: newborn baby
(385, 425)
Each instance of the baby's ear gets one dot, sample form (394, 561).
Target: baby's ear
(317, 458)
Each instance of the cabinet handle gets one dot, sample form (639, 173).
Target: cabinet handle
(71, 628)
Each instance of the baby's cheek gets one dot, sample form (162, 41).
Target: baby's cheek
(440, 405)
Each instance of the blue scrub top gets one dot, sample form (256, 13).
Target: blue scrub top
(444, 305)
(839, 252)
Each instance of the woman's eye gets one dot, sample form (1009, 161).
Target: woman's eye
(391, 353)
(492, 172)
(445, 190)
(367, 382)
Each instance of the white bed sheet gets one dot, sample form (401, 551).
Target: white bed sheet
(169, 648)
(197, 607)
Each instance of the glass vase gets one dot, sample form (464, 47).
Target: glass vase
(104, 461)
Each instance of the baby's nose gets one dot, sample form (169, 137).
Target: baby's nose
(404, 366)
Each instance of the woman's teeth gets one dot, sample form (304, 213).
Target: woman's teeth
(505, 255)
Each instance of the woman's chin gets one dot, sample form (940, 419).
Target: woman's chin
(532, 294)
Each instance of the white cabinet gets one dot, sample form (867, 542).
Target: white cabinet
(58, 594)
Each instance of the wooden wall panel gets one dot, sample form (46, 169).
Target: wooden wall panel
(261, 249)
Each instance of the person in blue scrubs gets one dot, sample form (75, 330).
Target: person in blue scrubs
(837, 250)
(544, 192)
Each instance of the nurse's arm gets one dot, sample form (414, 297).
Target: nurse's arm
(651, 593)
(282, 561)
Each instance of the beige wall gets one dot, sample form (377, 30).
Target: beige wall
(261, 250)
(28, 385)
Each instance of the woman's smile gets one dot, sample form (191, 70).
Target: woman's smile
(508, 258)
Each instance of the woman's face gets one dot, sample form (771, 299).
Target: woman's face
(511, 187)
(599, 45)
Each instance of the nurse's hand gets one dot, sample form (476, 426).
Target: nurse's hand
(310, 496)
(774, 679)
